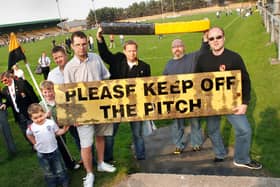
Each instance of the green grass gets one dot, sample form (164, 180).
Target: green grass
(246, 36)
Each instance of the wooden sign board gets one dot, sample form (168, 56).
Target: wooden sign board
(149, 98)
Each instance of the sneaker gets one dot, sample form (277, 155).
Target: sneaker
(77, 166)
(196, 148)
(89, 180)
(251, 165)
(218, 159)
(104, 167)
(177, 151)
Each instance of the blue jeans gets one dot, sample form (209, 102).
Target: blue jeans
(178, 132)
(54, 169)
(243, 135)
(138, 139)
(109, 144)
(6, 133)
(213, 127)
(242, 131)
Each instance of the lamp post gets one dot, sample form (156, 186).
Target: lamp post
(59, 13)
(161, 5)
(94, 12)
(173, 6)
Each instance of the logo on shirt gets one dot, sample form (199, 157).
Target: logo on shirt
(222, 67)
(49, 128)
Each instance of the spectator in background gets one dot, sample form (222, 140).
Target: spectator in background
(45, 63)
(122, 39)
(90, 42)
(218, 14)
(53, 43)
(112, 41)
(18, 73)
(68, 45)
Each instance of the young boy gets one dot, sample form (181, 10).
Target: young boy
(41, 134)
(47, 88)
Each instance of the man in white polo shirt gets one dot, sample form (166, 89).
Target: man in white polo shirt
(86, 67)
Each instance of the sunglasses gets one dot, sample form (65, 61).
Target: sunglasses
(4, 81)
(217, 38)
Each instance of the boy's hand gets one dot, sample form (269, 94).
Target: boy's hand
(66, 128)
(3, 107)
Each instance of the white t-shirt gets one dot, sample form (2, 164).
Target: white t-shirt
(56, 76)
(44, 136)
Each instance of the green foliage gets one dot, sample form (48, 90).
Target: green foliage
(246, 36)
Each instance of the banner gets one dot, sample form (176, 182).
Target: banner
(149, 98)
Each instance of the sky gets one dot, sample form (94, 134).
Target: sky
(18, 11)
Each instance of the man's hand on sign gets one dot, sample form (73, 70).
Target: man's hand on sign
(241, 109)
(76, 124)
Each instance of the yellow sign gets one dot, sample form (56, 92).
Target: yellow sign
(149, 98)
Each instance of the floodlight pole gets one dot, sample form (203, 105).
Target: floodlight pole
(173, 6)
(94, 12)
(161, 5)
(59, 13)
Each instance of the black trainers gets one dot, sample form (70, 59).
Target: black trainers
(177, 151)
(218, 159)
(251, 165)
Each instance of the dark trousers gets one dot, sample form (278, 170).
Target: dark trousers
(45, 71)
(23, 123)
(66, 155)
(109, 144)
(6, 133)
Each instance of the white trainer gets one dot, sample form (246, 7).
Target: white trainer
(104, 167)
(89, 180)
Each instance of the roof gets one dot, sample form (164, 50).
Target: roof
(30, 23)
(74, 23)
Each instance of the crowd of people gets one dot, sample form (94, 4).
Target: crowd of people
(37, 120)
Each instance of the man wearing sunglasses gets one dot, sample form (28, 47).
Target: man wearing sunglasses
(222, 59)
(19, 94)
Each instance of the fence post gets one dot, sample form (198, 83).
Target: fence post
(272, 39)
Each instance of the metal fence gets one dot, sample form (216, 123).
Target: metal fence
(272, 25)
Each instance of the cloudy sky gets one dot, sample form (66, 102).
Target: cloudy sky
(17, 11)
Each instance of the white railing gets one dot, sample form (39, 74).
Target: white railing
(272, 25)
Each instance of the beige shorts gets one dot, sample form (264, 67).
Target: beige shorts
(86, 133)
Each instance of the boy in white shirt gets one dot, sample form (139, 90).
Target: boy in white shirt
(41, 134)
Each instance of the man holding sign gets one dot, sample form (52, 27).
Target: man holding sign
(222, 59)
(124, 65)
(86, 67)
(182, 63)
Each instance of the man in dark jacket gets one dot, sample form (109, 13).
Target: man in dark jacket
(19, 95)
(124, 65)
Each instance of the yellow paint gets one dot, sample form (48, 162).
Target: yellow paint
(182, 27)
